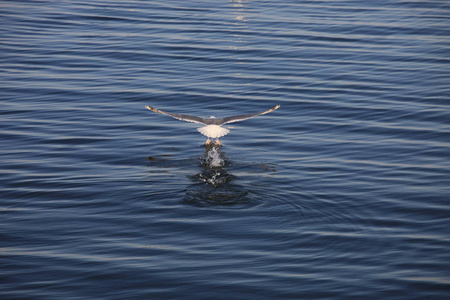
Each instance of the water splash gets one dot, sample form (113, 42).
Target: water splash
(214, 159)
(214, 186)
(214, 172)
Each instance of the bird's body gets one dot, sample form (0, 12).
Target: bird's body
(213, 127)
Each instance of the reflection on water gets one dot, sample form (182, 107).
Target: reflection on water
(214, 186)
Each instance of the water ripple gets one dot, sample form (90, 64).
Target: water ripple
(341, 193)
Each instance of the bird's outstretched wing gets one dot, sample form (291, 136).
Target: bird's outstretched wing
(233, 119)
(186, 118)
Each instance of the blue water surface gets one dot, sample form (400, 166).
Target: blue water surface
(341, 193)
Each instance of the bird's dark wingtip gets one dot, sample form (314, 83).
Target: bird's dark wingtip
(274, 108)
(151, 108)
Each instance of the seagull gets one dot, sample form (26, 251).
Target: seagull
(213, 127)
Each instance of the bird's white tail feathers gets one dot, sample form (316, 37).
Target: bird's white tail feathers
(213, 131)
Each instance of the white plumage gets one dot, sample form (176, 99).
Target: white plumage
(213, 131)
(213, 127)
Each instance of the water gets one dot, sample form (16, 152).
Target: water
(342, 193)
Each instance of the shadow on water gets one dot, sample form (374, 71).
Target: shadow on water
(214, 186)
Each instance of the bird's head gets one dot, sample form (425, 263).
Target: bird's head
(212, 117)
